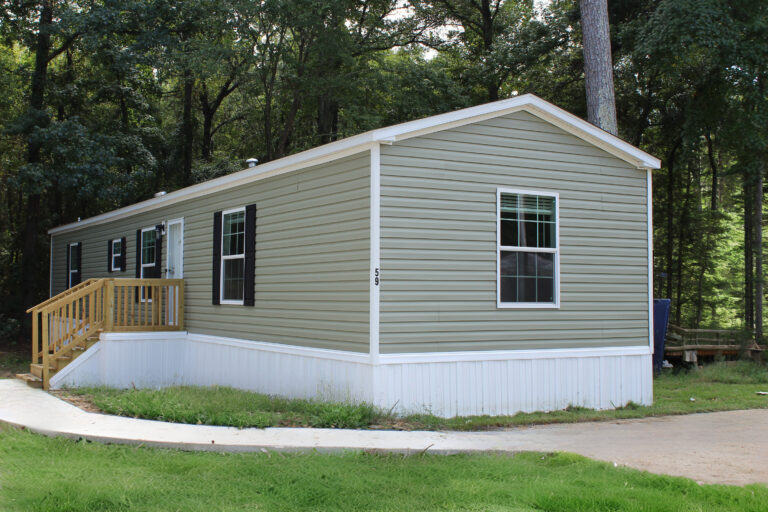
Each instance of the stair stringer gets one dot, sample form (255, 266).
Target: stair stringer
(87, 366)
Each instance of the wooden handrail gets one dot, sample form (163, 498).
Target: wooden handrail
(63, 294)
(68, 320)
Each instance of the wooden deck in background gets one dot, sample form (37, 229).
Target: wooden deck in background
(691, 344)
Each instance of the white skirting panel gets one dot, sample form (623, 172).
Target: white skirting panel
(506, 386)
(445, 384)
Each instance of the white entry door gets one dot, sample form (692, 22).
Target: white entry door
(175, 260)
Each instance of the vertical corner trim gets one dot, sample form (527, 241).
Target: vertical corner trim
(650, 258)
(375, 271)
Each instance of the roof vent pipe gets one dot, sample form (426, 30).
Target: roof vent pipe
(252, 162)
(161, 193)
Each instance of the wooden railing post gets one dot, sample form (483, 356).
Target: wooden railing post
(109, 306)
(45, 335)
(157, 299)
(35, 336)
(179, 304)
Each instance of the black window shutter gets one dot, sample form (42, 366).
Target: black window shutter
(250, 255)
(216, 284)
(109, 255)
(124, 249)
(158, 271)
(79, 264)
(136, 290)
(138, 253)
(67, 284)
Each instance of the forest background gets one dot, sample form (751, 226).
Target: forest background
(105, 102)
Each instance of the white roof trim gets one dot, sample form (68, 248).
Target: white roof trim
(362, 142)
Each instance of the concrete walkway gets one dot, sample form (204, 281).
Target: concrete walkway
(725, 447)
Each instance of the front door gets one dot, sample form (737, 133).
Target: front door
(175, 260)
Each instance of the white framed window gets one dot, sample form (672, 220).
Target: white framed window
(527, 249)
(117, 254)
(232, 256)
(148, 258)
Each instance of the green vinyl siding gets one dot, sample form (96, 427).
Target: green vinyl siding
(312, 256)
(438, 240)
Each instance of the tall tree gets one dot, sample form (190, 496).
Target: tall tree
(492, 41)
(598, 65)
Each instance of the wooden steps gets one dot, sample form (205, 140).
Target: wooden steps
(31, 380)
(35, 376)
(37, 370)
(68, 324)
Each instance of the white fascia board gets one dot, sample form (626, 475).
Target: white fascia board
(316, 156)
(534, 105)
(594, 135)
(362, 142)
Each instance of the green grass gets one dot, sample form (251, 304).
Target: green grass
(718, 387)
(226, 406)
(60, 475)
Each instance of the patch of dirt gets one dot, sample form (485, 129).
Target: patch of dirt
(83, 402)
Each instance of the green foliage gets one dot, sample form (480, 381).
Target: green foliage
(59, 475)
(141, 96)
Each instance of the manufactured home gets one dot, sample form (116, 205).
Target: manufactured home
(488, 260)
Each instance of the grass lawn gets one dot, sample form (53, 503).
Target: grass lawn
(12, 363)
(42, 474)
(718, 387)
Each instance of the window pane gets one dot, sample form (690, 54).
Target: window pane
(527, 276)
(528, 235)
(509, 228)
(233, 234)
(545, 290)
(73, 257)
(526, 289)
(115, 261)
(148, 247)
(508, 289)
(527, 221)
(545, 264)
(508, 264)
(233, 272)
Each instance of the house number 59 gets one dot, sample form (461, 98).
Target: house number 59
(376, 276)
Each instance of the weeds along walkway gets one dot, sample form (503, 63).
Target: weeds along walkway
(723, 447)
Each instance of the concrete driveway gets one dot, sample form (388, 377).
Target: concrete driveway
(722, 447)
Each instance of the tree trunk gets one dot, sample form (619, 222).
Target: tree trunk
(207, 137)
(187, 130)
(682, 228)
(29, 263)
(268, 141)
(758, 247)
(492, 85)
(327, 119)
(598, 66)
(749, 318)
(713, 167)
(670, 211)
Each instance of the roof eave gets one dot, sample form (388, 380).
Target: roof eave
(345, 147)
